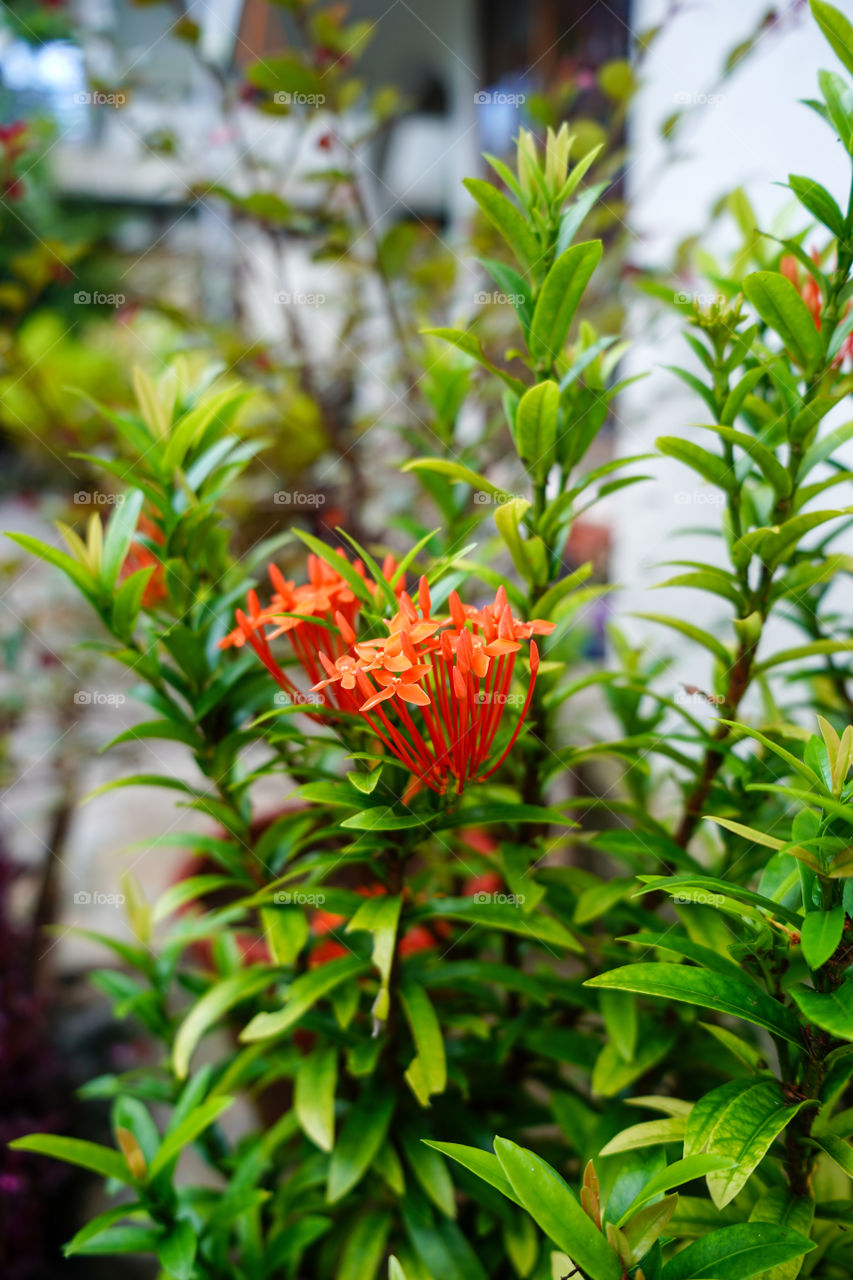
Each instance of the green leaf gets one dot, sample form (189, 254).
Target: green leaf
(513, 285)
(199, 1119)
(709, 888)
(483, 1164)
(94, 1228)
(427, 1072)
(365, 1246)
(554, 1207)
(471, 345)
(455, 471)
(763, 457)
(339, 563)
(314, 1095)
(644, 1229)
(87, 1155)
(78, 573)
(839, 105)
(558, 300)
(361, 1136)
(736, 1253)
(821, 934)
(741, 1127)
(302, 995)
(432, 1173)
(703, 638)
(508, 517)
(832, 1012)
(619, 1010)
(674, 1175)
(611, 1073)
(817, 200)
(651, 1133)
(221, 997)
(539, 928)
(782, 1209)
(837, 30)
(780, 306)
(177, 1251)
(121, 527)
(379, 916)
(726, 994)
(838, 1150)
(507, 219)
(283, 73)
(748, 833)
(710, 466)
(189, 890)
(128, 600)
(536, 427)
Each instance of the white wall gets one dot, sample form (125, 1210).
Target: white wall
(751, 132)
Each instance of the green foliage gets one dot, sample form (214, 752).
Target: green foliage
(661, 1028)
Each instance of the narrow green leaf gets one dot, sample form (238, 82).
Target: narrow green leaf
(199, 1119)
(482, 1163)
(780, 306)
(736, 1253)
(314, 1095)
(87, 1155)
(507, 220)
(817, 200)
(554, 1207)
(558, 300)
(837, 30)
(710, 466)
(302, 995)
(427, 1072)
(209, 1009)
(726, 994)
(361, 1136)
(536, 427)
(674, 1175)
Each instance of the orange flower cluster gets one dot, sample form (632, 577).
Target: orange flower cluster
(456, 669)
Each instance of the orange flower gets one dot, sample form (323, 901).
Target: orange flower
(433, 690)
(317, 617)
(140, 556)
